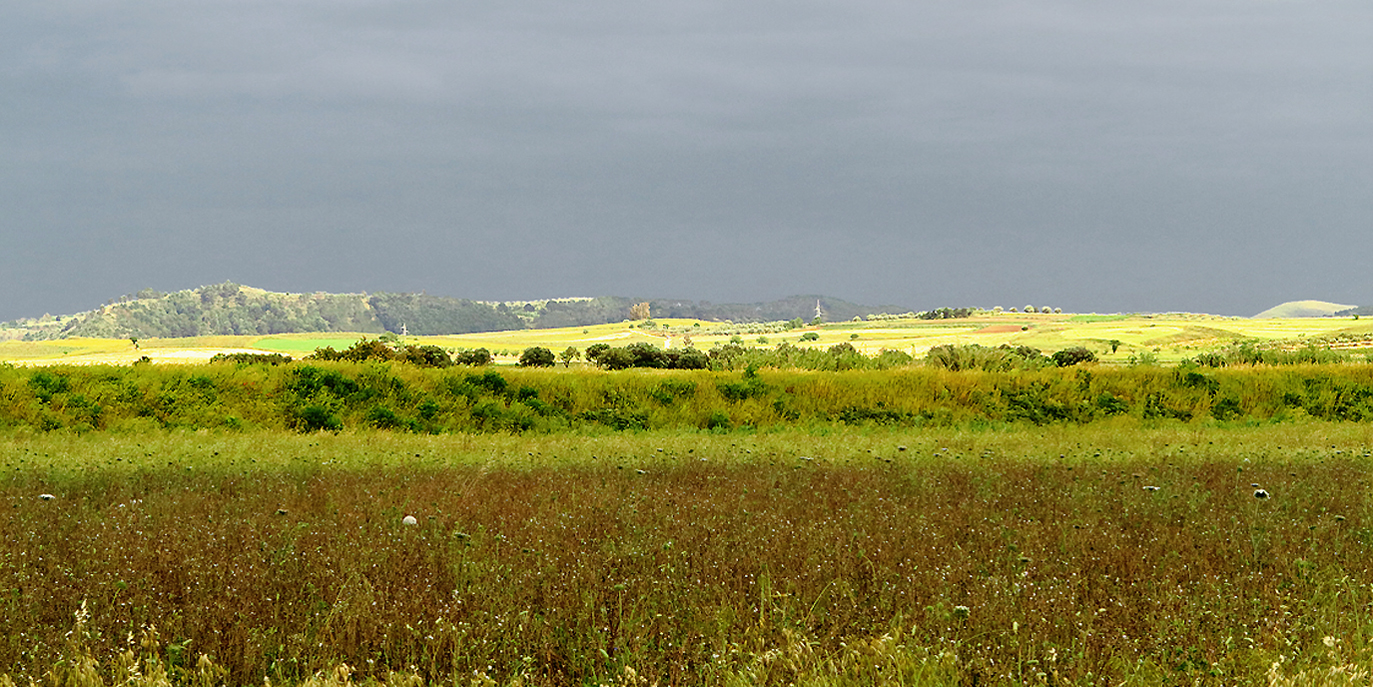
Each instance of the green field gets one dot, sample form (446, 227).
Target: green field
(1168, 337)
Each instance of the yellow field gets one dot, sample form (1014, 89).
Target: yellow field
(1169, 337)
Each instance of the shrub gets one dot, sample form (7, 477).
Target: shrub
(475, 357)
(687, 359)
(975, 357)
(718, 422)
(307, 381)
(1143, 359)
(615, 359)
(568, 355)
(251, 358)
(45, 384)
(313, 418)
(537, 356)
(426, 356)
(810, 336)
(491, 380)
(1073, 355)
(843, 349)
(369, 349)
(595, 351)
(382, 417)
(750, 387)
(1209, 359)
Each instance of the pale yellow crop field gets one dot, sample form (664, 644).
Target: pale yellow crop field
(1168, 337)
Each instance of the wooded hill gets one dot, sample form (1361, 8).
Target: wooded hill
(233, 309)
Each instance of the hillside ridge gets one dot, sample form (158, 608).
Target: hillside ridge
(1306, 308)
(235, 309)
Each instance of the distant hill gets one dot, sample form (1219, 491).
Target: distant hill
(1305, 309)
(233, 309)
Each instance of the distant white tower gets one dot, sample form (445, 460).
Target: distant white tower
(818, 311)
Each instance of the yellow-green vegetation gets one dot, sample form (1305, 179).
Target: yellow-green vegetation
(310, 396)
(1115, 338)
(1064, 554)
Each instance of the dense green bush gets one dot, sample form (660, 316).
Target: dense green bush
(475, 357)
(537, 356)
(646, 356)
(975, 357)
(1073, 355)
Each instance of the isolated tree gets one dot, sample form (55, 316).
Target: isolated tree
(1030, 309)
(536, 356)
(639, 311)
(1114, 344)
(568, 355)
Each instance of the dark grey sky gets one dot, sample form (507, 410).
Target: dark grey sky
(1201, 155)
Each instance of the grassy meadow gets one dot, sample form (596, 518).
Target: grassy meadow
(1066, 555)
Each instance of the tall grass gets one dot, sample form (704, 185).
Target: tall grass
(830, 556)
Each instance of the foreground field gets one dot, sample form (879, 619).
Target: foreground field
(1115, 338)
(1053, 555)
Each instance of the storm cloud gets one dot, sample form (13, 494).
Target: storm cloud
(1207, 156)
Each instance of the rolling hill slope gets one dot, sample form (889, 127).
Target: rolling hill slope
(1303, 309)
(233, 309)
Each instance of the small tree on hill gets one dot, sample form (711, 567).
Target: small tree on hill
(568, 355)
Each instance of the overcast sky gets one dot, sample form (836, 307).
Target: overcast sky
(1200, 155)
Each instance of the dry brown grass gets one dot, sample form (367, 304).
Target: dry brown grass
(1003, 560)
